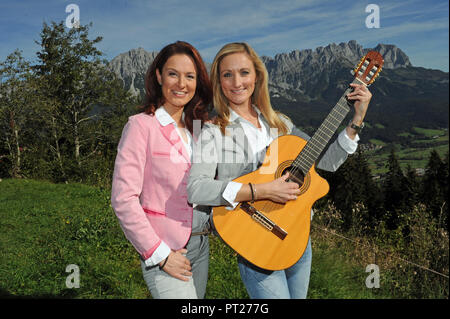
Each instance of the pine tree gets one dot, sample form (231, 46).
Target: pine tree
(412, 186)
(435, 185)
(395, 192)
(373, 195)
(352, 183)
(444, 189)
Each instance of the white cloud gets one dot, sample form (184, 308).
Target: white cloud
(270, 26)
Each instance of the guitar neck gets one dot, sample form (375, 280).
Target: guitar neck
(325, 132)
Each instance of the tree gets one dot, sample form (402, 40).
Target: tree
(434, 192)
(444, 188)
(15, 99)
(412, 186)
(396, 201)
(352, 183)
(74, 78)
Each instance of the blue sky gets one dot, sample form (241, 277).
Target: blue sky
(420, 28)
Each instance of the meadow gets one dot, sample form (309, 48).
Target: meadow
(45, 227)
(414, 152)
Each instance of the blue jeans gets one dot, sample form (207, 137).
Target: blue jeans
(290, 283)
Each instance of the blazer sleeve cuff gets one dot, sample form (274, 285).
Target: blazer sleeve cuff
(160, 253)
(347, 143)
(230, 193)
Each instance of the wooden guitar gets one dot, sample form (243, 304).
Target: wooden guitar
(274, 236)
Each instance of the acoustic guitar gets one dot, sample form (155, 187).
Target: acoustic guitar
(274, 236)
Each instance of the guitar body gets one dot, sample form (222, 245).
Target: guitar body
(252, 240)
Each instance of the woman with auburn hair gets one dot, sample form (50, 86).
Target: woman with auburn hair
(235, 145)
(149, 193)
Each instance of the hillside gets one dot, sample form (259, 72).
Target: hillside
(50, 226)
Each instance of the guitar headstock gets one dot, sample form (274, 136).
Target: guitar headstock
(369, 67)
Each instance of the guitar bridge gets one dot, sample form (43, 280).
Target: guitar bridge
(263, 220)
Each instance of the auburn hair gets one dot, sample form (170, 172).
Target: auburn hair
(197, 108)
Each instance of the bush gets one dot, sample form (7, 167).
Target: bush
(411, 257)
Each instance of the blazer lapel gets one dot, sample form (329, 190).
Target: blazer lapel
(172, 136)
(240, 139)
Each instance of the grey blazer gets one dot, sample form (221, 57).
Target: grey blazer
(218, 159)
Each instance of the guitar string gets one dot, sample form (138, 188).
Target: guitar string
(309, 148)
(306, 151)
(335, 116)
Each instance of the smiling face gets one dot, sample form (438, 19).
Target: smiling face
(178, 80)
(237, 79)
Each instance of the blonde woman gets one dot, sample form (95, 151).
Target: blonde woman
(235, 145)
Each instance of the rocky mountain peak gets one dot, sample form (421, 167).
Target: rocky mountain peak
(393, 56)
(131, 68)
(298, 70)
(351, 51)
(301, 70)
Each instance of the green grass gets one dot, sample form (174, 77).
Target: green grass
(45, 227)
(224, 280)
(405, 134)
(428, 132)
(333, 276)
(377, 142)
(423, 141)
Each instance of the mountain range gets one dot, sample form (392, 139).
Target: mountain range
(287, 71)
(306, 84)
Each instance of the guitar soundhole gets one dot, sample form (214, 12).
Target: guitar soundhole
(296, 175)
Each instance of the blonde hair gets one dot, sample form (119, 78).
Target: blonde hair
(260, 96)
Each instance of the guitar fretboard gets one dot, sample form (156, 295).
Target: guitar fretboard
(320, 139)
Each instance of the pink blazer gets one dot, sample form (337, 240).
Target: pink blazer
(149, 193)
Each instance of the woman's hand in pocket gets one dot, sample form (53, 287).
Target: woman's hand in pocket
(177, 265)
